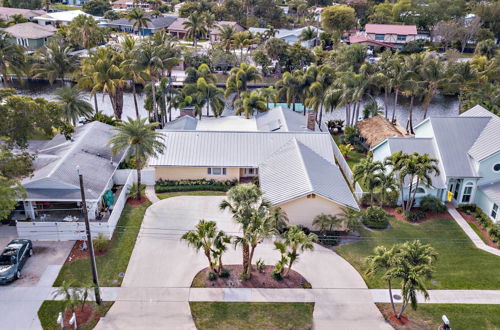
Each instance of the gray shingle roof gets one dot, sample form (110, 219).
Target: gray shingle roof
(56, 162)
(492, 190)
(159, 22)
(295, 171)
(454, 137)
(422, 146)
(233, 149)
(30, 30)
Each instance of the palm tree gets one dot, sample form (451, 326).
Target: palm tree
(279, 219)
(323, 78)
(396, 78)
(289, 87)
(226, 36)
(220, 246)
(85, 32)
(103, 72)
(242, 201)
(12, 58)
(294, 240)
(261, 227)
(248, 103)
(308, 34)
(139, 18)
(326, 222)
(195, 28)
(132, 69)
(368, 172)
(141, 141)
(17, 19)
(203, 71)
(239, 77)
(212, 95)
(268, 94)
(426, 167)
(386, 185)
(397, 161)
(432, 73)
(411, 86)
(382, 260)
(73, 104)
(203, 238)
(54, 61)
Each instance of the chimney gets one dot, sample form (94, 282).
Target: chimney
(187, 111)
(311, 120)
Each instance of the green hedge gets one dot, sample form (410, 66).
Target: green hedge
(164, 186)
(485, 221)
(375, 217)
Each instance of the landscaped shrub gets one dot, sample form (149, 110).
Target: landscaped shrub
(432, 204)
(415, 215)
(212, 276)
(375, 217)
(483, 219)
(260, 265)
(224, 273)
(133, 190)
(163, 186)
(100, 242)
(494, 232)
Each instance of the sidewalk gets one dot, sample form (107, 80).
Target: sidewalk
(489, 297)
(478, 242)
(151, 194)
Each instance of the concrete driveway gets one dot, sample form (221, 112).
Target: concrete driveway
(21, 299)
(161, 260)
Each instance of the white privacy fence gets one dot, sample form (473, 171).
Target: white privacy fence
(69, 231)
(358, 192)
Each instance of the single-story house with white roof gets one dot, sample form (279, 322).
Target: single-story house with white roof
(59, 18)
(295, 165)
(467, 148)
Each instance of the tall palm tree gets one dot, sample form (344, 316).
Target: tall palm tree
(368, 172)
(294, 240)
(73, 104)
(326, 222)
(226, 36)
(242, 201)
(12, 58)
(141, 140)
(397, 162)
(195, 28)
(239, 77)
(279, 219)
(203, 238)
(411, 86)
(386, 185)
(212, 95)
(425, 168)
(203, 71)
(289, 87)
(132, 69)
(432, 73)
(139, 18)
(248, 103)
(105, 75)
(85, 31)
(308, 34)
(396, 72)
(323, 78)
(269, 94)
(54, 61)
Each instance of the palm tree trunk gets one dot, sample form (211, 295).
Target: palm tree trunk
(5, 79)
(405, 304)
(119, 103)
(392, 298)
(395, 104)
(135, 100)
(252, 250)
(320, 115)
(96, 107)
(138, 168)
(414, 193)
(410, 119)
(246, 258)
(288, 268)
(211, 265)
(153, 91)
(385, 102)
(347, 115)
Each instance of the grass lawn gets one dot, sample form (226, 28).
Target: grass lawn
(221, 315)
(190, 193)
(460, 264)
(50, 309)
(115, 261)
(462, 317)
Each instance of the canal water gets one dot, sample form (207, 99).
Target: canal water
(440, 106)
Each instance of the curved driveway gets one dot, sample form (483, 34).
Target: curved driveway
(155, 290)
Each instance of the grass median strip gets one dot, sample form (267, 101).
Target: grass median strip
(114, 263)
(460, 264)
(238, 315)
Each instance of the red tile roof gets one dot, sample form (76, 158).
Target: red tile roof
(391, 29)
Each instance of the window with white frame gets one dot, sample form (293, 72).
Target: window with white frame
(216, 171)
(251, 171)
(401, 37)
(380, 37)
(494, 211)
(466, 197)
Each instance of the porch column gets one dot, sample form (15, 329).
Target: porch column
(29, 210)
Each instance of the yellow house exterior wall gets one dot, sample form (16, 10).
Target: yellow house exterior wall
(194, 173)
(302, 211)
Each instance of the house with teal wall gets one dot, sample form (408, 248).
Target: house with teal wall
(30, 35)
(467, 148)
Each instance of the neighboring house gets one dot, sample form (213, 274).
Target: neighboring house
(59, 18)
(30, 35)
(295, 166)
(6, 13)
(392, 34)
(467, 148)
(291, 36)
(129, 4)
(361, 39)
(53, 190)
(178, 30)
(156, 24)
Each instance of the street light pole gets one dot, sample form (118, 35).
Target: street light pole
(89, 241)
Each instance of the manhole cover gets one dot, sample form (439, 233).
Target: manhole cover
(122, 274)
(396, 296)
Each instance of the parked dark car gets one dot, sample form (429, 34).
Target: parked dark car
(13, 258)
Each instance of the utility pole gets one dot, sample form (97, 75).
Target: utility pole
(89, 241)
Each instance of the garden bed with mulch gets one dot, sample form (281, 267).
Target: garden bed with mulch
(135, 202)
(86, 317)
(78, 253)
(428, 215)
(263, 279)
(484, 233)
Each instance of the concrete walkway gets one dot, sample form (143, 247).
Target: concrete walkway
(478, 242)
(490, 297)
(151, 194)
